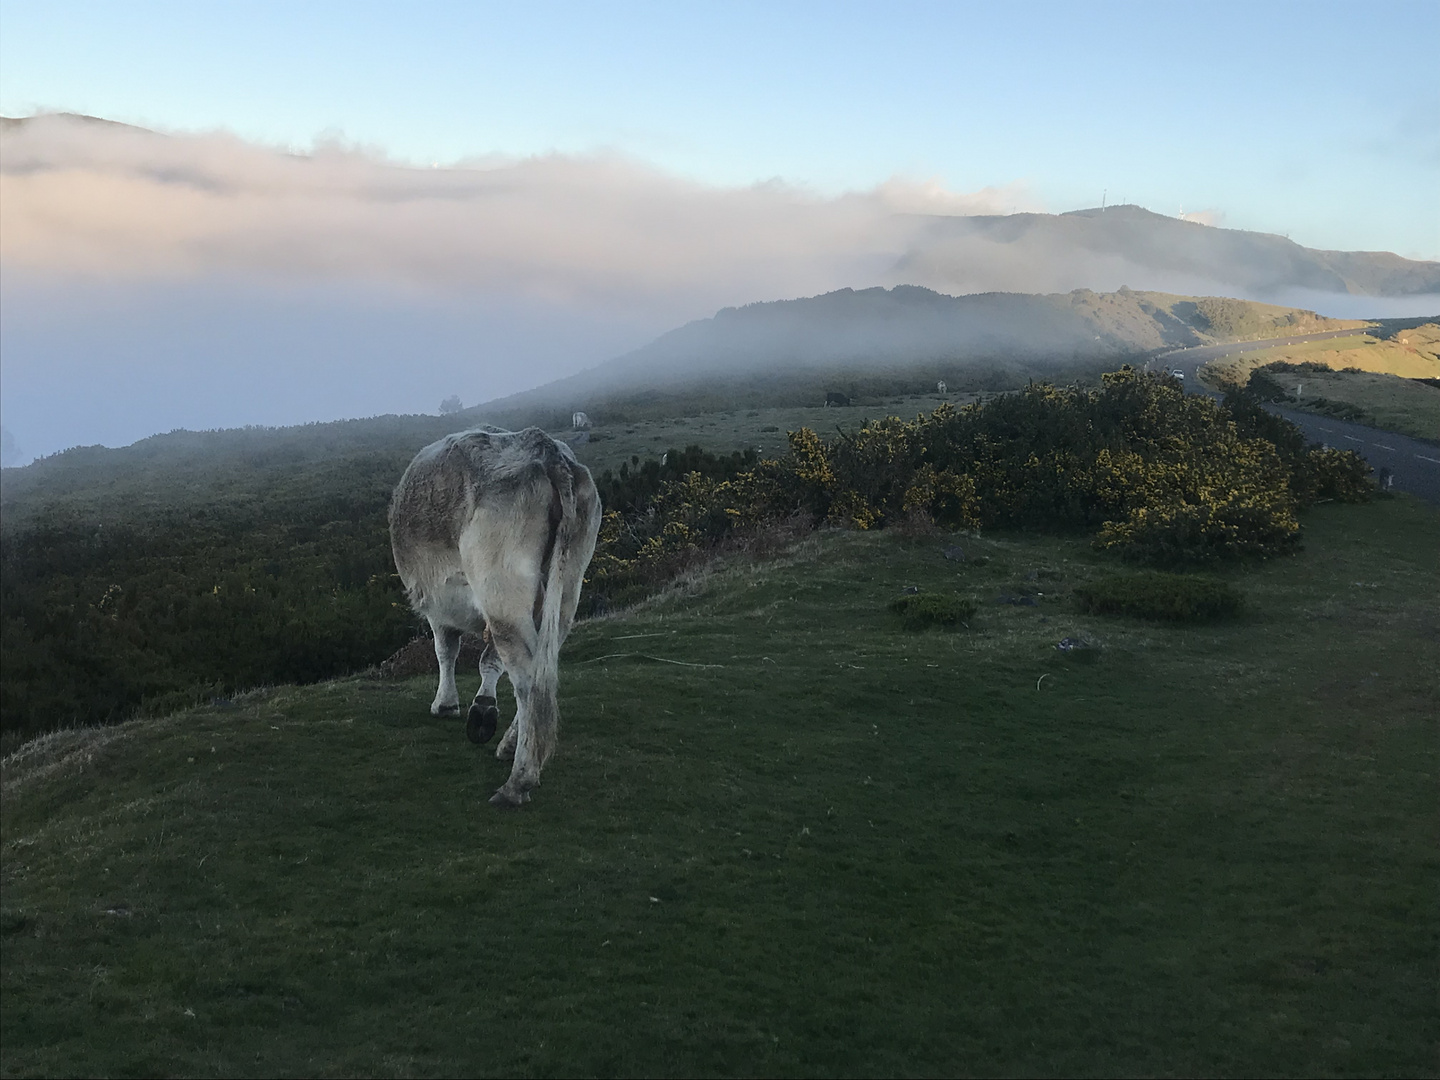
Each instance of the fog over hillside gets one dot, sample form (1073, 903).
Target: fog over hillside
(153, 281)
(1121, 245)
(911, 336)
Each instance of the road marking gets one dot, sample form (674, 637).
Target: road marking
(1433, 461)
(1350, 437)
(1384, 447)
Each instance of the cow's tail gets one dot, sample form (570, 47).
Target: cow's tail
(544, 710)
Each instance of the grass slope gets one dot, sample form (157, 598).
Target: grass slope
(833, 847)
(1412, 355)
(1382, 401)
(1372, 377)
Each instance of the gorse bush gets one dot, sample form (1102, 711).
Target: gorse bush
(100, 622)
(923, 610)
(1155, 595)
(1155, 474)
(638, 482)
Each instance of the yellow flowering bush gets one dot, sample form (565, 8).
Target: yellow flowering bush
(1151, 472)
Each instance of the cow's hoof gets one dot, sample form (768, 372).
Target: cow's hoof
(445, 710)
(480, 723)
(507, 800)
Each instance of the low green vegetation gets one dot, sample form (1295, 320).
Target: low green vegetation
(920, 611)
(142, 588)
(1156, 595)
(1155, 474)
(1227, 319)
(783, 836)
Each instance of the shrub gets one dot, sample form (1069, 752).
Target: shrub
(1341, 410)
(1266, 387)
(922, 610)
(1155, 595)
(1153, 473)
(1342, 475)
(1232, 501)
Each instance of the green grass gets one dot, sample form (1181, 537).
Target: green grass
(1382, 401)
(1156, 595)
(833, 848)
(924, 610)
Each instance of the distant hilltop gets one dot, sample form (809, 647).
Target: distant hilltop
(908, 328)
(1153, 250)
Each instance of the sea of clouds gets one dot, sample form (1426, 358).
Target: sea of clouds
(153, 281)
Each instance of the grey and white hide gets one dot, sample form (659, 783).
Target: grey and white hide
(492, 531)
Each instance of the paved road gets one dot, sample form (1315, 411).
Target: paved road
(1414, 465)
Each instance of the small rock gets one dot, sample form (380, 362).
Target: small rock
(910, 590)
(955, 553)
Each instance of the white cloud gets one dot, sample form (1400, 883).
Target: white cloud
(99, 199)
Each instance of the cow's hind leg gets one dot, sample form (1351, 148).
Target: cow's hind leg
(484, 710)
(506, 750)
(447, 648)
(536, 727)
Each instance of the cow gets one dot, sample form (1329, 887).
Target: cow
(492, 531)
(833, 397)
(580, 421)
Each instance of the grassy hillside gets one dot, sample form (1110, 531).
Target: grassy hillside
(191, 565)
(1409, 354)
(142, 589)
(1372, 378)
(879, 343)
(785, 836)
(1382, 401)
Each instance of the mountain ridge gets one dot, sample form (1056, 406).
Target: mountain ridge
(1253, 263)
(851, 331)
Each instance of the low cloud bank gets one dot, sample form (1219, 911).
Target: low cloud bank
(82, 197)
(154, 281)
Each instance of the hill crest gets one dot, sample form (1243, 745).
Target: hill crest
(1161, 251)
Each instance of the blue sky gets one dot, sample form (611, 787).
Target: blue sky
(1317, 121)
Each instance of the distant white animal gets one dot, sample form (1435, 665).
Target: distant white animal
(492, 531)
(940, 386)
(580, 422)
